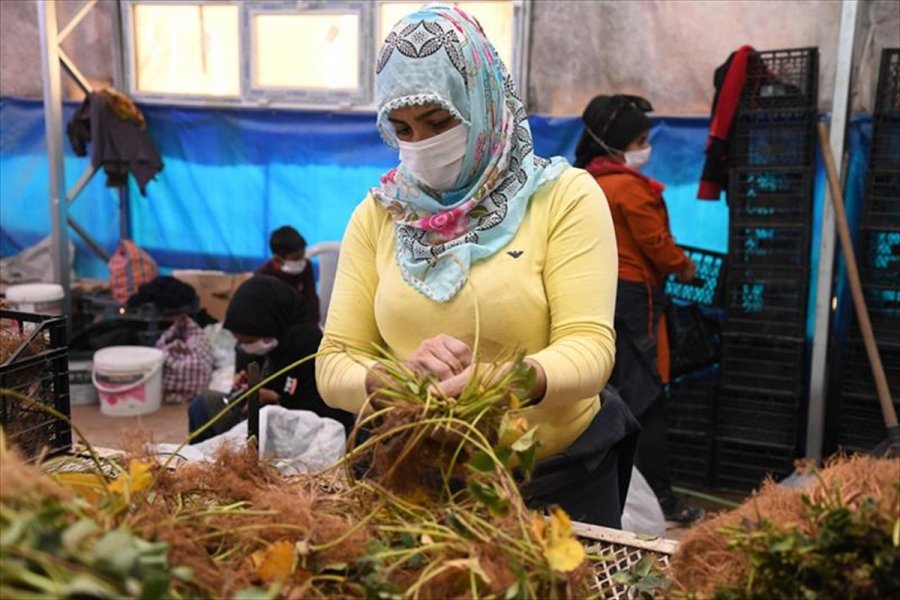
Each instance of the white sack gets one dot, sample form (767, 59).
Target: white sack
(295, 441)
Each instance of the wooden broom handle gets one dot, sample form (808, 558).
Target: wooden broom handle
(859, 303)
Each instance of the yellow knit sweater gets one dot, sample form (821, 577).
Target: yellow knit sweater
(551, 291)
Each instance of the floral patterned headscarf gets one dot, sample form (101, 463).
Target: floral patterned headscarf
(440, 55)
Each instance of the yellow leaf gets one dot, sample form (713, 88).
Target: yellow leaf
(560, 525)
(141, 478)
(87, 485)
(563, 552)
(137, 479)
(511, 429)
(564, 555)
(276, 562)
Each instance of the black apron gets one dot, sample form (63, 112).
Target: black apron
(636, 376)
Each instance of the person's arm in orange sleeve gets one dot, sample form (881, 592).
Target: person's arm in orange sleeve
(646, 218)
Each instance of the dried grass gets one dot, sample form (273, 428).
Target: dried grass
(703, 560)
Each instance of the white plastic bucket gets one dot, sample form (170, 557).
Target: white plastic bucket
(128, 380)
(81, 384)
(39, 298)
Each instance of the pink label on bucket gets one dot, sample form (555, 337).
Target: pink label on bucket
(138, 394)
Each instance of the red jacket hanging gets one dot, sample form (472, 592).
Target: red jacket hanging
(729, 80)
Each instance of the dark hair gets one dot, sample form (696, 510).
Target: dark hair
(615, 121)
(285, 240)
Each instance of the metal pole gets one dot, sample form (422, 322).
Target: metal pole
(120, 84)
(54, 133)
(818, 385)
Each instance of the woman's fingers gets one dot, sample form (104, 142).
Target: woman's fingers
(443, 356)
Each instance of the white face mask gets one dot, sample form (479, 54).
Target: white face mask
(293, 267)
(437, 161)
(259, 347)
(638, 158)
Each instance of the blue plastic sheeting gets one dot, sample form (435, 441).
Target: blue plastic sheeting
(231, 176)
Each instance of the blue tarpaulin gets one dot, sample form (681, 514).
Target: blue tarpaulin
(231, 176)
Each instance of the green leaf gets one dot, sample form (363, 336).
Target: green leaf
(117, 553)
(85, 586)
(526, 442)
(526, 460)
(487, 496)
(482, 462)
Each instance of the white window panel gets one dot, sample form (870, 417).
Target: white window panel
(496, 18)
(188, 49)
(310, 53)
(314, 51)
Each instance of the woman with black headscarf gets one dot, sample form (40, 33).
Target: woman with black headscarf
(266, 316)
(613, 147)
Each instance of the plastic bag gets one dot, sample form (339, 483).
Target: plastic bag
(130, 267)
(222, 343)
(642, 513)
(189, 360)
(295, 441)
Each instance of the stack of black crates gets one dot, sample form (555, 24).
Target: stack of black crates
(772, 155)
(694, 339)
(861, 423)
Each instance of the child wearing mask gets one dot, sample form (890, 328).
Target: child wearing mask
(289, 264)
(614, 146)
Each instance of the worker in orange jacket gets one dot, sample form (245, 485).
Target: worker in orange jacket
(613, 147)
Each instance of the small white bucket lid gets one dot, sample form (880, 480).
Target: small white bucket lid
(124, 359)
(34, 292)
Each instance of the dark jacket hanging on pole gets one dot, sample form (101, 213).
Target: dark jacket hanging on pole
(116, 130)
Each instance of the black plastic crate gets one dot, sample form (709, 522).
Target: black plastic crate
(742, 466)
(768, 246)
(775, 138)
(781, 79)
(36, 367)
(763, 363)
(880, 257)
(857, 372)
(762, 307)
(690, 405)
(882, 204)
(861, 422)
(883, 304)
(887, 95)
(706, 288)
(771, 196)
(693, 338)
(757, 416)
(690, 458)
(885, 152)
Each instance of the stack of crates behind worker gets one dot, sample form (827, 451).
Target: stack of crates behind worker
(861, 422)
(771, 185)
(693, 319)
(34, 380)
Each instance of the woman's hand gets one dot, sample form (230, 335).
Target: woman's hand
(688, 273)
(442, 356)
(439, 357)
(453, 386)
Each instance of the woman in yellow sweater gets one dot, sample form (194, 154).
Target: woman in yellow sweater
(471, 215)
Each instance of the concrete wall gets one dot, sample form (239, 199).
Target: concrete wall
(90, 46)
(665, 50)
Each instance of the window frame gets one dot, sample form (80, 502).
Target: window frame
(250, 96)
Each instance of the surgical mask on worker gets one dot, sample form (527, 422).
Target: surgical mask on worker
(260, 347)
(638, 158)
(437, 161)
(293, 267)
